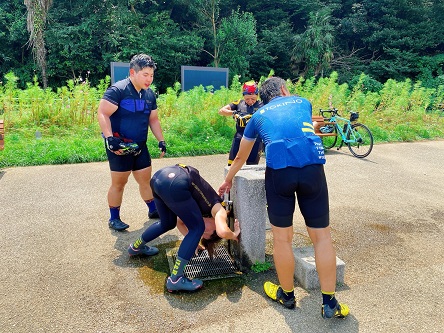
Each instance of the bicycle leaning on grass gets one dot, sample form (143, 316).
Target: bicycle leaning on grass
(356, 136)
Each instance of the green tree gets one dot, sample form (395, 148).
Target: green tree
(393, 39)
(14, 55)
(36, 24)
(382, 38)
(273, 52)
(313, 49)
(130, 28)
(237, 39)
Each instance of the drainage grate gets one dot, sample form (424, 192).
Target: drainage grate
(202, 267)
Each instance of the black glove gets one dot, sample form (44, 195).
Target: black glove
(113, 143)
(162, 146)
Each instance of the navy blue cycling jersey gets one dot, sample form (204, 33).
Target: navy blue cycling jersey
(131, 118)
(286, 128)
(202, 192)
(243, 109)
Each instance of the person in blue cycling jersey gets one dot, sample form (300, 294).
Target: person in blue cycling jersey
(125, 112)
(186, 200)
(241, 111)
(294, 166)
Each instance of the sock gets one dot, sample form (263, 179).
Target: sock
(151, 205)
(114, 212)
(139, 243)
(329, 298)
(288, 294)
(178, 268)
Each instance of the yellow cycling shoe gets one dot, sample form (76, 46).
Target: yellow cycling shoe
(276, 293)
(341, 310)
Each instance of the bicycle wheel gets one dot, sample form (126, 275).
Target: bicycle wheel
(330, 141)
(363, 140)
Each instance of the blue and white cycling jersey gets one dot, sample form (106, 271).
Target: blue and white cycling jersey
(286, 128)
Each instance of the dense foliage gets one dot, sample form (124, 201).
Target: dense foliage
(68, 132)
(384, 39)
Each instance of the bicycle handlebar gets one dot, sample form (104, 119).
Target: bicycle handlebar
(332, 112)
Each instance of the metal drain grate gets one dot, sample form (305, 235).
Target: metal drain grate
(202, 267)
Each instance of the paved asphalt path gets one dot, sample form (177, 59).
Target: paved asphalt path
(63, 270)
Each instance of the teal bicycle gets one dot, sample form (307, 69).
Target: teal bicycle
(356, 136)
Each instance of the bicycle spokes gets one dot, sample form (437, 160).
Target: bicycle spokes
(359, 140)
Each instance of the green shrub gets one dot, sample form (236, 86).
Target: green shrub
(259, 267)
(67, 117)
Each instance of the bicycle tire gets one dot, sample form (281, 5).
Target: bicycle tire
(364, 145)
(330, 141)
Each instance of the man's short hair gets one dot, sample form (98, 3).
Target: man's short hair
(141, 61)
(271, 88)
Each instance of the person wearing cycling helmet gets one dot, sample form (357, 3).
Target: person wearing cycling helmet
(241, 111)
(186, 200)
(125, 112)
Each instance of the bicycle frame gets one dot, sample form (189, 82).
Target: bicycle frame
(334, 121)
(356, 136)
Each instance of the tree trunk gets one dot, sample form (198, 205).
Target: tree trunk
(36, 24)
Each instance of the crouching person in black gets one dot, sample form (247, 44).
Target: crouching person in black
(186, 200)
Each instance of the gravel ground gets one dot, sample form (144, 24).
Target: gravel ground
(63, 270)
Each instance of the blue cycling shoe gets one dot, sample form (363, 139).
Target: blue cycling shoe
(183, 284)
(143, 250)
(117, 224)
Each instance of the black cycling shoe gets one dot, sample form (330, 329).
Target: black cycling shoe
(117, 224)
(153, 215)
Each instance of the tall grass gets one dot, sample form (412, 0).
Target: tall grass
(67, 118)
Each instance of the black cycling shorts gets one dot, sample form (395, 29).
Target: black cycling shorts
(122, 163)
(308, 184)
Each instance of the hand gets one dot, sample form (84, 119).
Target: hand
(199, 248)
(236, 229)
(225, 112)
(224, 188)
(162, 148)
(113, 143)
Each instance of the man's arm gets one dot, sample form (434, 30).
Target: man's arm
(241, 157)
(226, 111)
(220, 217)
(156, 128)
(105, 110)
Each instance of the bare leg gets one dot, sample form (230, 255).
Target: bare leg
(115, 192)
(143, 178)
(283, 256)
(325, 257)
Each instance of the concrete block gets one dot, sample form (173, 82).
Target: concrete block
(249, 207)
(305, 269)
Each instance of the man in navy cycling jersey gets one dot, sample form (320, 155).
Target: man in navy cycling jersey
(125, 112)
(241, 111)
(294, 165)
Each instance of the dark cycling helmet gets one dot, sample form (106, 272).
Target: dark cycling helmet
(250, 88)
